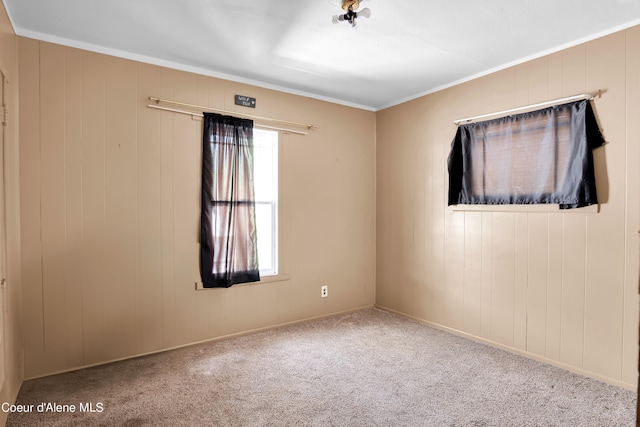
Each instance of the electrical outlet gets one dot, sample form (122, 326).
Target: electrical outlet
(323, 291)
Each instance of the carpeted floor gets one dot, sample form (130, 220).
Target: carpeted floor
(367, 368)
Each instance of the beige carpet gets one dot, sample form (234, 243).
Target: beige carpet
(368, 368)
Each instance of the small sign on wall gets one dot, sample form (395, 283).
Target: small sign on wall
(245, 101)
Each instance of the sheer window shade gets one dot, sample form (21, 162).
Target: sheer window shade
(540, 157)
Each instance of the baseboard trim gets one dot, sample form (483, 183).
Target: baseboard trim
(566, 367)
(220, 338)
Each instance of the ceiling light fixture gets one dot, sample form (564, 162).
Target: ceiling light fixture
(350, 6)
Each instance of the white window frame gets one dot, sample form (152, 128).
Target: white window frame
(273, 269)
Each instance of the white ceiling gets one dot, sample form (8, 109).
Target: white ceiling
(406, 49)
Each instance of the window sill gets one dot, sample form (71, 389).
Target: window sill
(523, 208)
(275, 278)
(266, 279)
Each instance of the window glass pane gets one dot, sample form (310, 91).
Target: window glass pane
(264, 225)
(265, 165)
(266, 195)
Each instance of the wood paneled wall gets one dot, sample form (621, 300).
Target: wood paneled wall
(560, 287)
(110, 199)
(12, 338)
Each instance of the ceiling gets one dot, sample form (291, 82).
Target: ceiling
(407, 48)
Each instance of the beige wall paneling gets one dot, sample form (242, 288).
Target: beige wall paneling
(92, 261)
(149, 246)
(574, 235)
(427, 300)
(604, 290)
(186, 203)
(500, 92)
(12, 333)
(359, 285)
(559, 286)
(3, 254)
(120, 195)
(167, 267)
(554, 287)
(403, 216)
(554, 232)
(573, 289)
(30, 201)
(411, 220)
(484, 92)
(384, 201)
(422, 200)
(521, 281)
(423, 296)
(473, 273)
(73, 208)
(453, 265)
(354, 241)
(521, 273)
(202, 305)
(339, 242)
(537, 227)
(632, 226)
(53, 202)
(503, 273)
(487, 274)
(440, 308)
(537, 283)
(254, 307)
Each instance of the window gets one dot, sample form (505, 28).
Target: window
(239, 233)
(265, 167)
(228, 238)
(520, 161)
(541, 157)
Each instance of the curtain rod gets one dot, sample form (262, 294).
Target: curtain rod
(217, 110)
(194, 114)
(588, 96)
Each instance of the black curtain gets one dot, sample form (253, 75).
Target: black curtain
(539, 157)
(228, 246)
